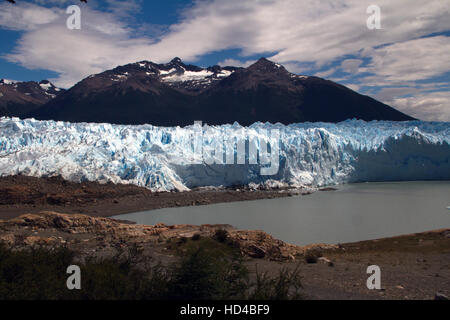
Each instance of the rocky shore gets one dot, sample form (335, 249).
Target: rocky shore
(19, 194)
(104, 236)
(413, 266)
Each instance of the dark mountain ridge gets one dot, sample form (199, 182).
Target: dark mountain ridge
(177, 94)
(19, 98)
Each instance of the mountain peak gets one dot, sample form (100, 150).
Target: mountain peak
(176, 60)
(266, 65)
(264, 60)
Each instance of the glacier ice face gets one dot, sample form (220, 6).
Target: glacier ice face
(314, 154)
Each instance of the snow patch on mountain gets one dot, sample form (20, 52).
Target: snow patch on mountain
(224, 74)
(188, 76)
(45, 86)
(7, 82)
(314, 154)
(166, 72)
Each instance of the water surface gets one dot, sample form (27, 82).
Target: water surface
(352, 213)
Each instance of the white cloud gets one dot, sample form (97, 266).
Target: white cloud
(103, 42)
(431, 106)
(429, 101)
(354, 87)
(296, 68)
(235, 63)
(412, 60)
(351, 65)
(301, 32)
(26, 17)
(326, 73)
(306, 31)
(387, 94)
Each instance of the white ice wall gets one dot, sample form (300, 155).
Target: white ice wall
(164, 158)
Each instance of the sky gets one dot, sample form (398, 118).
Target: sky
(405, 63)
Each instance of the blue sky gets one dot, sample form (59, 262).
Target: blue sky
(406, 63)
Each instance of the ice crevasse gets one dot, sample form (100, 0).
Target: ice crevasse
(161, 158)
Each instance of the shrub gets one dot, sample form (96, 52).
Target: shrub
(40, 274)
(33, 274)
(205, 275)
(221, 235)
(285, 286)
(207, 269)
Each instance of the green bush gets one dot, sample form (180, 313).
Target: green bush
(203, 275)
(206, 270)
(34, 274)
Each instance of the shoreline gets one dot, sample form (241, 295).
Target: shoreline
(30, 195)
(23, 194)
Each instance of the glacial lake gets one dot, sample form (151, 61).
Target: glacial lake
(352, 213)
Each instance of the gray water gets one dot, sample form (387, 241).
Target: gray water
(354, 212)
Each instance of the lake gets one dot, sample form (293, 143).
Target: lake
(352, 213)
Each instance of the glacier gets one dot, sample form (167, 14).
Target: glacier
(161, 158)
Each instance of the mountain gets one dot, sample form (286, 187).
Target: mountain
(177, 94)
(19, 98)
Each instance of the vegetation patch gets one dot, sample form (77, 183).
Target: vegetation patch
(206, 270)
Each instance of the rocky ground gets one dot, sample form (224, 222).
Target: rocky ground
(19, 194)
(103, 236)
(413, 266)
